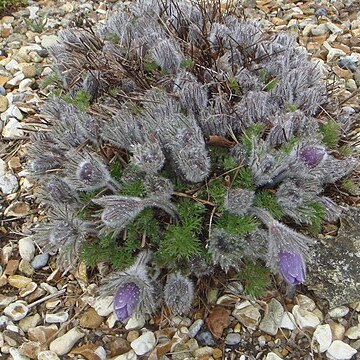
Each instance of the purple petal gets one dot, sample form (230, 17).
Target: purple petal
(312, 155)
(292, 267)
(122, 313)
(126, 300)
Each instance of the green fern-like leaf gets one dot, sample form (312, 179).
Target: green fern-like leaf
(133, 188)
(349, 186)
(82, 100)
(254, 130)
(237, 225)
(256, 278)
(116, 170)
(267, 200)
(187, 64)
(190, 213)
(179, 244)
(216, 190)
(144, 224)
(317, 215)
(331, 132)
(244, 179)
(181, 240)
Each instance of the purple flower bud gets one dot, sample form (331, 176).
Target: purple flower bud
(312, 155)
(292, 267)
(126, 300)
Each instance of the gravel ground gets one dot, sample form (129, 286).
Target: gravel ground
(50, 316)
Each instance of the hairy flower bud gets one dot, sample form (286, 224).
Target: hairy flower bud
(133, 288)
(238, 201)
(126, 300)
(179, 293)
(292, 267)
(148, 157)
(312, 156)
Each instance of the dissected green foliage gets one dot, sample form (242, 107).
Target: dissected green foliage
(267, 200)
(181, 240)
(237, 225)
(331, 133)
(317, 215)
(256, 278)
(350, 186)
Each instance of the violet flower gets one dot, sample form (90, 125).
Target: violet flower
(312, 155)
(126, 300)
(292, 267)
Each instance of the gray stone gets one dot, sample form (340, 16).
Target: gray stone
(205, 338)
(195, 327)
(321, 12)
(348, 62)
(334, 264)
(144, 343)
(40, 261)
(272, 319)
(232, 339)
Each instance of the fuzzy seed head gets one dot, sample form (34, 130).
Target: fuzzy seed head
(179, 293)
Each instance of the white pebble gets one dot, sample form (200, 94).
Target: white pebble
(144, 343)
(16, 355)
(26, 248)
(12, 129)
(353, 333)
(135, 322)
(8, 184)
(17, 310)
(339, 312)
(58, 317)
(127, 356)
(65, 343)
(103, 306)
(338, 350)
(272, 356)
(47, 355)
(305, 319)
(322, 338)
(288, 321)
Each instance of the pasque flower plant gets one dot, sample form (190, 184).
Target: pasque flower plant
(183, 131)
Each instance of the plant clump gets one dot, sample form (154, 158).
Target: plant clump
(183, 139)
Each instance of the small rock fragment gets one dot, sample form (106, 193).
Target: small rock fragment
(65, 343)
(322, 338)
(339, 312)
(40, 261)
(232, 339)
(26, 248)
(47, 355)
(305, 319)
(17, 310)
(353, 332)
(90, 319)
(135, 322)
(272, 319)
(272, 356)
(288, 321)
(195, 327)
(248, 316)
(144, 343)
(339, 350)
(58, 317)
(205, 338)
(8, 184)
